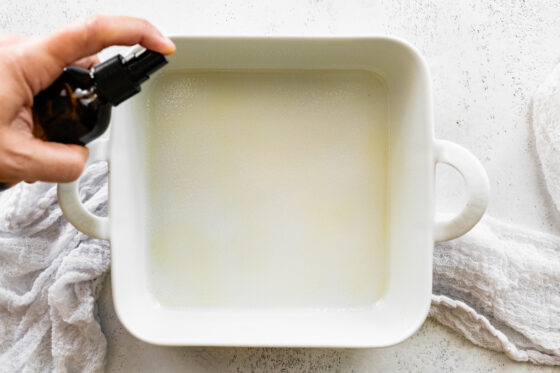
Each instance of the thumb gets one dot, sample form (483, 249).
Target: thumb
(31, 159)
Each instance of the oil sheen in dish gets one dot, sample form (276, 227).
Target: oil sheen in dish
(268, 188)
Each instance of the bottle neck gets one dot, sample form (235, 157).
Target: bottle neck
(86, 96)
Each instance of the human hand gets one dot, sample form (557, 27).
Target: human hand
(29, 65)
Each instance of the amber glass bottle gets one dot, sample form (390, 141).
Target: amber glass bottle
(76, 108)
(70, 110)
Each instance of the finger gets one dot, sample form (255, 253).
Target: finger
(87, 62)
(32, 159)
(45, 57)
(54, 162)
(23, 121)
(92, 34)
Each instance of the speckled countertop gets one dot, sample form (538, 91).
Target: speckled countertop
(486, 60)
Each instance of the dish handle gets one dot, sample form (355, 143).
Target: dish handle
(69, 198)
(477, 187)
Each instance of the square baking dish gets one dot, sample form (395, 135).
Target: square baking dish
(192, 265)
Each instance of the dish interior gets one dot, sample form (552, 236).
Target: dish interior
(275, 192)
(267, 188)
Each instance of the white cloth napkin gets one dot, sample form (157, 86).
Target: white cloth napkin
(50, 278)
(499, 285)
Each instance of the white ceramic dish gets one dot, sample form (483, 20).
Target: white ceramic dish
(391, 315)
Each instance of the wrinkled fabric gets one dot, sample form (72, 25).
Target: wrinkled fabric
(50, 278)
(499, 285)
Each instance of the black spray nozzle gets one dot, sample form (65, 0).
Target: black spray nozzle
(142, 65)
(120, 77)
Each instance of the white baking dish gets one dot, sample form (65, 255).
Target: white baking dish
(401, 274)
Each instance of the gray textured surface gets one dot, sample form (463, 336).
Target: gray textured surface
(486, 60)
